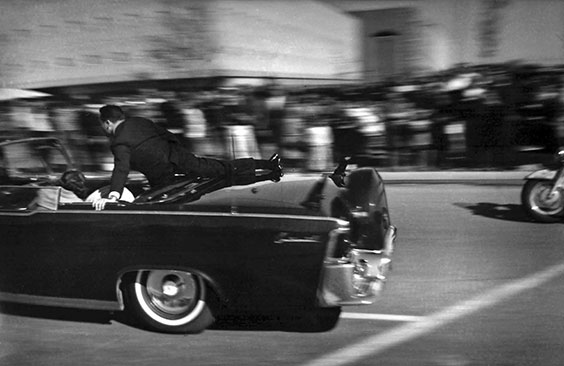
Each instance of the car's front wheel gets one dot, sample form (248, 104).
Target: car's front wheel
(169, 301)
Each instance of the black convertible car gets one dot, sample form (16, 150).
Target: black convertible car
(182, 256)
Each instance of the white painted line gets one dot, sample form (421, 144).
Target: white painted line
(407, 332)
(385, 317)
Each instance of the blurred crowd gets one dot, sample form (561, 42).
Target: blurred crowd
(482, 116)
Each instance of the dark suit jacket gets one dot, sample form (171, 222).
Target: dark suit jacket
(139, 144)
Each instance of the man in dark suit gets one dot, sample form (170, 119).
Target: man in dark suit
(138, 143)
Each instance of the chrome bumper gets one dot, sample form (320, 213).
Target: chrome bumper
(358, 278)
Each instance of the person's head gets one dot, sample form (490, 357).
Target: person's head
(110, 115)
(75, 181)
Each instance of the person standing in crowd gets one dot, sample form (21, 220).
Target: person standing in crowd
(440, 119)
(195, 126)
(138, 143)
(174, 118)
(63, 116)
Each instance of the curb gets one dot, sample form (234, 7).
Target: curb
(456, 177)
(477, 177)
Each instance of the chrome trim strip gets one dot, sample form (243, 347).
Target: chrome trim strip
(344, 228)
(296, 241)
(64, 302)
(18, 212)
(178, 213)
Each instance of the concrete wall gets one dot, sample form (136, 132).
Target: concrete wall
(534, 30)
(388, 40)
(67, 42)
(286, 39)
(527, 30)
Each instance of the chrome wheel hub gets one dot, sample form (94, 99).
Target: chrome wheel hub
(545, 201)
(171, 292)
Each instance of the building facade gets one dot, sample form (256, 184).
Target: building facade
(411, 36)
(75, 42)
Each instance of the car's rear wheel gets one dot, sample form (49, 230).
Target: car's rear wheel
(169, 301)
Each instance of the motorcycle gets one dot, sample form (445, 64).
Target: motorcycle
(542, 195)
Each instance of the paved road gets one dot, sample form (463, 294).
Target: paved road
(474, 283)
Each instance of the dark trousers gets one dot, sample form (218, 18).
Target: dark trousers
(237, 171)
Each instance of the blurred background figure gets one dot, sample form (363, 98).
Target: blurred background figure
(496, 117)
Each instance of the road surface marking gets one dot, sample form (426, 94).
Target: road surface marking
(407, 332)
(386, 317)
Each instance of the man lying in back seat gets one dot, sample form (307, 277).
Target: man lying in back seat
(70, 188)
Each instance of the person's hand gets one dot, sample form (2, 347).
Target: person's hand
(100, 203)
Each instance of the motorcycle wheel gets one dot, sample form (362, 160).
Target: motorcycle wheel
(537, 203)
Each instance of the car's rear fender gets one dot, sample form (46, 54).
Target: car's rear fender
(358, 277)
(365, 197)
